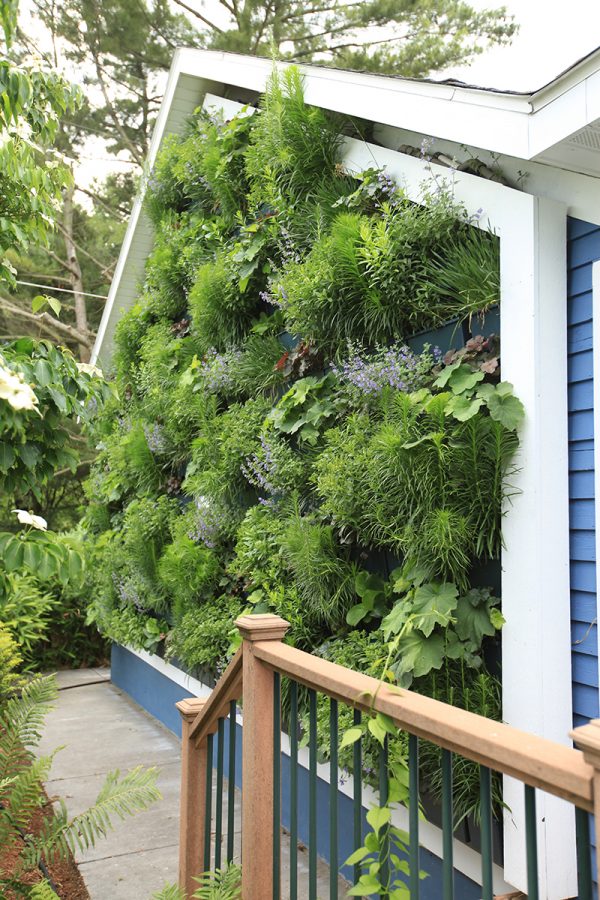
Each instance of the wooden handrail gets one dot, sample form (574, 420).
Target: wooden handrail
(227, 688)
(536, 761)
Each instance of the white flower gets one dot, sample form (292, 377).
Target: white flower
(15, 390)
(27, 518)
(89, 369)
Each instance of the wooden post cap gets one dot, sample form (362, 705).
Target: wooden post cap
(190, 707)
(587, 738)
(262, 627)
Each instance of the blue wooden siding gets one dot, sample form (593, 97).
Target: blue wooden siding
(583, 250)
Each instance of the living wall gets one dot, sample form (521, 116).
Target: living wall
(276, 445)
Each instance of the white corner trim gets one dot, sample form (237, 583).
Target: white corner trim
(596, 396)
(536, 646)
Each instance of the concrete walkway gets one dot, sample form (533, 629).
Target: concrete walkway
(101, 729)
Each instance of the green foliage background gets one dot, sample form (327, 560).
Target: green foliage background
(273, 444)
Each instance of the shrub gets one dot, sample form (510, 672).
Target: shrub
(220, 313)
(25, 612)
(201, 640)
(10, 661)
(188, 571)
(293, 147)
(324, 578)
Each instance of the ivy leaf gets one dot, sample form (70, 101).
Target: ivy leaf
(351, 737)
(357, 856)
(377, 730)
(504, 407)
(396, 619)
(473, 623)
(55, 305)
(378, 817)
(417, 656)
(463, 408)
(464, 379)
(497, 619)
(445, 375)
(433, 605)
(356, 613)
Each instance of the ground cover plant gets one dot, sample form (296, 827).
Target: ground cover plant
(273, 443)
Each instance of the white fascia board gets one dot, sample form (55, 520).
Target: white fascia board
(522, 126)
(499, 121)
(138, 239)
(580, 193)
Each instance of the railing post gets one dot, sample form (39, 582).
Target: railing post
(192, 799)
(257, 757)
(587, 738)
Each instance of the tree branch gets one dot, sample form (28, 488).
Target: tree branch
(104, 267)
(115, 118)
(112, 210)
(198, 15)
(62, 262)
(47, 321)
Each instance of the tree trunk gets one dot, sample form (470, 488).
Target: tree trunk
(75, 271)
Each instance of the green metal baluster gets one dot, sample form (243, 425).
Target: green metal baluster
(447, 827)
(276, 786)
(357, 800)
(485, 787)
(384, 785)
(208, 807)
(231, 782)
(219, 803)
(333, 800)
(584, 859)
(294, 790)
(531, 843)
(312, 796)
(413, 816)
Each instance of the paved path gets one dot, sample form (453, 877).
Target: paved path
(102, 730)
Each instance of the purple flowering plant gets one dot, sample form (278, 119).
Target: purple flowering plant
(206, 523)
(397, 366)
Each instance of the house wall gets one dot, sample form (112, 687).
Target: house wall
(583, 251)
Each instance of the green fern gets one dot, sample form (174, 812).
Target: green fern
(21, 722)
(21, 792)
(119, 797)
(223, 884)
(42, 891)
(324, 578)
(170, 892)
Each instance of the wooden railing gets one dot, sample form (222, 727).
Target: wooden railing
(255, 673)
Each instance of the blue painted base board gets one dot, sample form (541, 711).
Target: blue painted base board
(157, 694)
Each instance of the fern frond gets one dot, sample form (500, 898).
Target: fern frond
(223, 884)
(22, 719)
(170, 892)
(119, 796)
(25, 795)
(42, 891)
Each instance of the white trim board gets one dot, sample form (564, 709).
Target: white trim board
(466, 860)
(535, 578)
